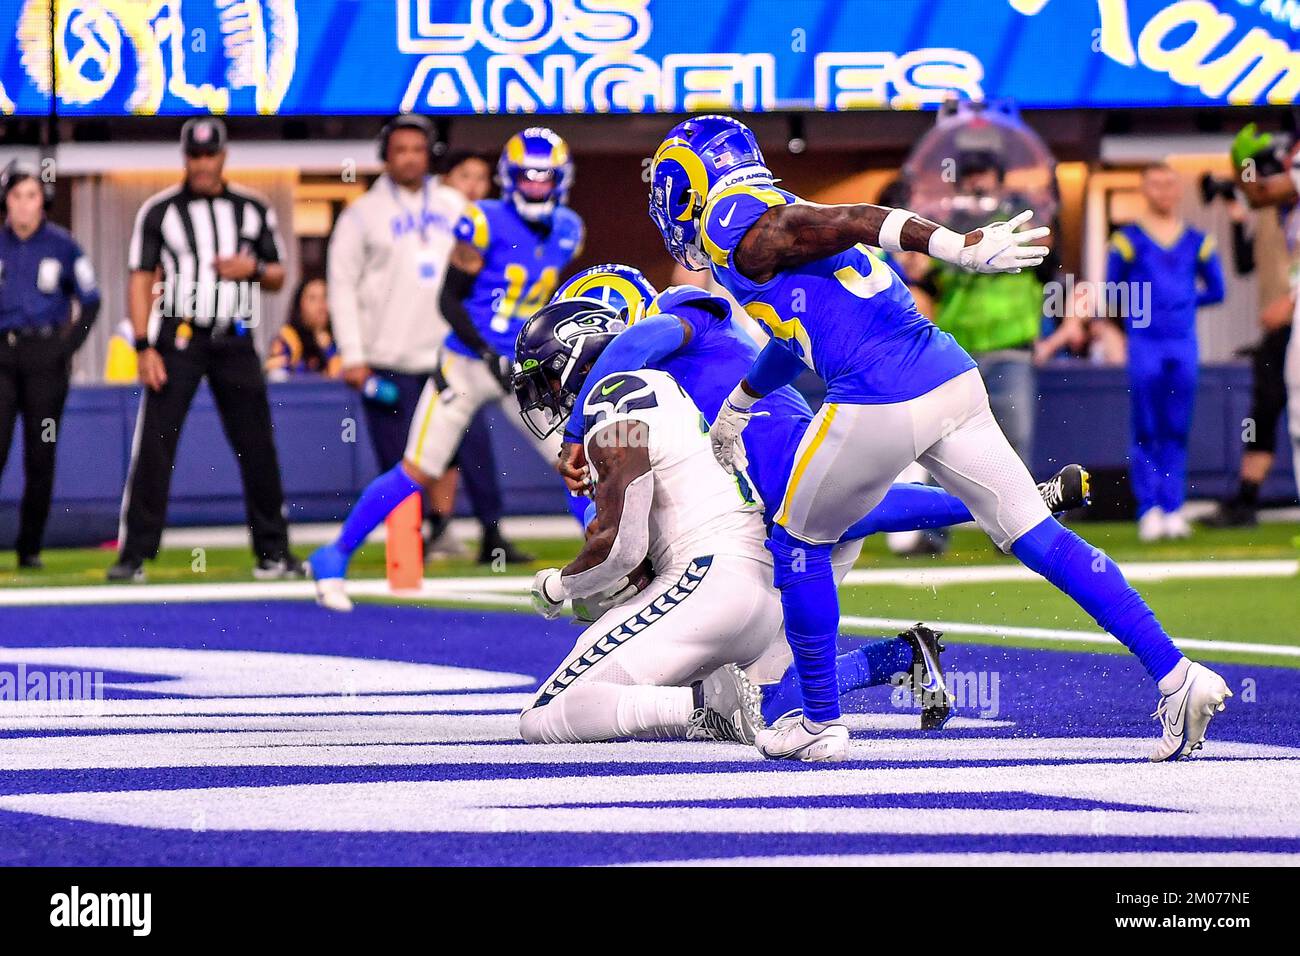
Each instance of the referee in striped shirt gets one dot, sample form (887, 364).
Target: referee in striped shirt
(201, 254)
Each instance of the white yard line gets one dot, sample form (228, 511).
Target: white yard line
(1133, 570)
(518, 528)
(851, 621)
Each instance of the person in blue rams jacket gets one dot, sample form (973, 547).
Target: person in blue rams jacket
(1170, 270)
(42, 272)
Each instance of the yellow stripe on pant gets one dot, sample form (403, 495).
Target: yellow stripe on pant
(428, 412)
(827, 413)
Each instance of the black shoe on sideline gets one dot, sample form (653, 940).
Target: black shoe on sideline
(1232, 514)
(129, 570)
(284, 568)
(496, 548)
(30, 562)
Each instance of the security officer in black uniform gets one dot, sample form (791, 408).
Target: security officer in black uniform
(42, 270)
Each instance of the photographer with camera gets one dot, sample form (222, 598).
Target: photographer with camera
(1260, 247)
(1268, 176)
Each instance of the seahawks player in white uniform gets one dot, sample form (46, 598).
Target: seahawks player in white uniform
(662, 662)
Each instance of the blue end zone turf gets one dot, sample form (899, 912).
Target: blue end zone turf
(277, 733)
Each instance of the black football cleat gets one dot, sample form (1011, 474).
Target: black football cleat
(1066, 490)
(925, 677)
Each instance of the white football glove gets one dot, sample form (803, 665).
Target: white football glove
(1002, 249)
(591, 609)
(725, 437)
(545, 605)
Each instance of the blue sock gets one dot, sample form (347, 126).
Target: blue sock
(1099, 587)
(875, 663)
(870, 665)
(812, 614)
(907, 507)
(376, 503)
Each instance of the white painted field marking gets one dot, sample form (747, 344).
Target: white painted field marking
(850, 621)
(510, 591)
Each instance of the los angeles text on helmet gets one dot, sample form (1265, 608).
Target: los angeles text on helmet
(593, 63)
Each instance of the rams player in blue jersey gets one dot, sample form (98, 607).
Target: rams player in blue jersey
(695, 337)
(1162, 254)
(898, 390)
(504, 267)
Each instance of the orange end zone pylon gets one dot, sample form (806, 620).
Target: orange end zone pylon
(405, 547)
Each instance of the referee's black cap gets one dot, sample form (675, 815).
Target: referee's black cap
(203, 136)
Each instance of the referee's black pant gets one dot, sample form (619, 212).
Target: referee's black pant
(238, 386)
(34, 382)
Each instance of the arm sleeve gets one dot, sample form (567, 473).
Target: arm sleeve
(775, 366)
(648, 340)
(81, 284)
(455, 289)
(346, 262)
(1210, 269)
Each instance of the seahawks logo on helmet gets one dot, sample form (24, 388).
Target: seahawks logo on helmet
(571, 330)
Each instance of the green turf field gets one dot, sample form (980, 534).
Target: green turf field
(1258, 610)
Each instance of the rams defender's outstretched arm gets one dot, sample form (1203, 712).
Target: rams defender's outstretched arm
(788, 236)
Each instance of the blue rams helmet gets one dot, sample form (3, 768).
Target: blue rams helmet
(622, 288)
(553, 354)
(697, 157)
(535, 173)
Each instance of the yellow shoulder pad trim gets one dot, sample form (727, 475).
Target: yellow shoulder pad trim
(475, 215)
(768, 196)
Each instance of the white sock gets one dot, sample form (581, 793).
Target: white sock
(1175, 678)
(655, 712)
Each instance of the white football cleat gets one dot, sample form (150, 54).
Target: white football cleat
(791, 739)
(1185, 714)
(1151, 526)
(1177, 526)
(332, 594)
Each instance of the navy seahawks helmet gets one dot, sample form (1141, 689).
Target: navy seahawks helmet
(553, 354)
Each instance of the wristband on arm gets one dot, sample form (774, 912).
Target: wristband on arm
(947, 245)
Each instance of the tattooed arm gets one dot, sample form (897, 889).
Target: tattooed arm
(792, 235)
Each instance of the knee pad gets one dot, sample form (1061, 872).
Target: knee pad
(794, 560)
(530, 726)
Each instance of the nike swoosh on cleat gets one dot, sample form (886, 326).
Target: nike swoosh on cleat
(1180, 721)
